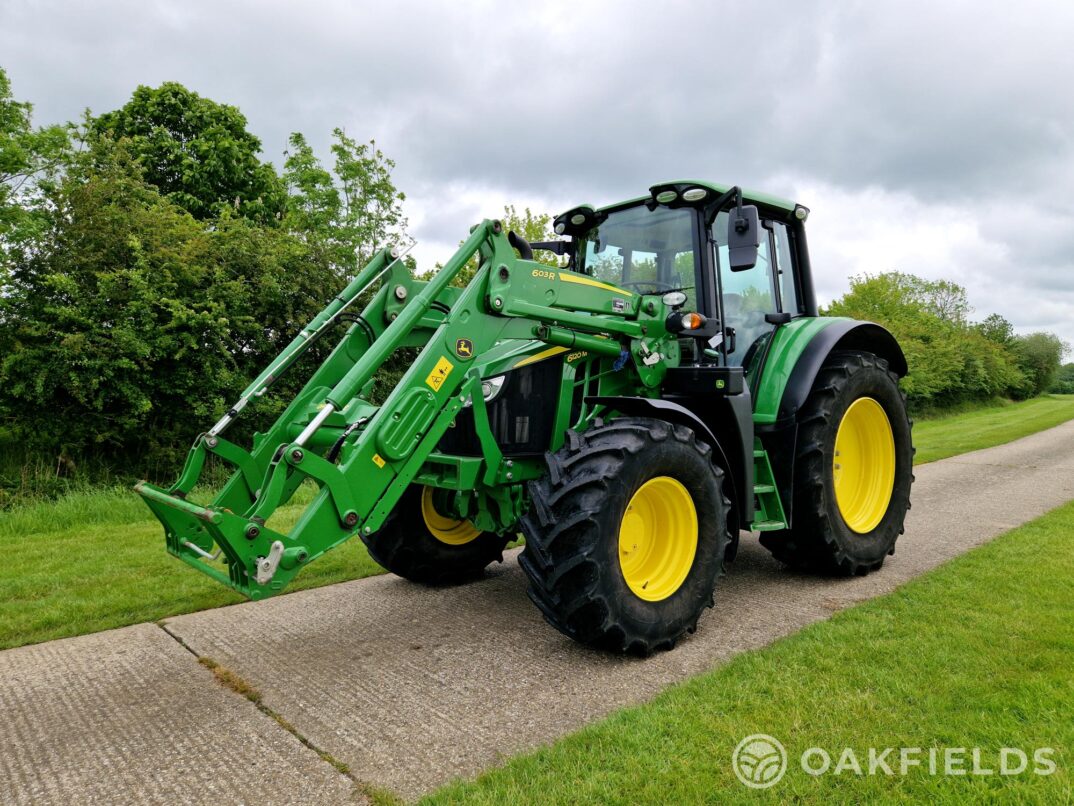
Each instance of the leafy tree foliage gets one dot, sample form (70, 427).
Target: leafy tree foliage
(1039, 355)
(950, 359)
(150, 272)
(130, 324)
(996, 329)
(28, 157)
(198, 153)
(1064, 380)
(349, 213)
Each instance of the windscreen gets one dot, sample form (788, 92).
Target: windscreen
(642, 250)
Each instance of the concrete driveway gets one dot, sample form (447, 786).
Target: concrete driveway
(380, 683)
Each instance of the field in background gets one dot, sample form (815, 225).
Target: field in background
(95, 559)
(973, 654)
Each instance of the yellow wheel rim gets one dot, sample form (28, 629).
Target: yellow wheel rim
(446, 530)
(864, 465)
(658, 539)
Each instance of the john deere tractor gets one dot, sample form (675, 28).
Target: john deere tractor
(632, 409)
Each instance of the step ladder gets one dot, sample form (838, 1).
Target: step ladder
(768, 515)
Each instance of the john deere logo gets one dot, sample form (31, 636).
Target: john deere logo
(464, 348)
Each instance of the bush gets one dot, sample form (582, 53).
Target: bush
(1064, 381)
(951, 360)
(130, 326)
(1039, 355)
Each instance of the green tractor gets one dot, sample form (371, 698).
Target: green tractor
(632, 410)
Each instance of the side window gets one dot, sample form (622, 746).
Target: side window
(747, 295)
(785, 265)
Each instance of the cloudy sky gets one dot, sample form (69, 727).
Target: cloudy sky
(935, 138)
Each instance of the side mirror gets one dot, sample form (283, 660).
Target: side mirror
(743, 237)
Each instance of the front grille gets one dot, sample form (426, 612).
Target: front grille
(521, 416)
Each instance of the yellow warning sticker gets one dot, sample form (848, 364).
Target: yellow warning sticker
(377, 460)
(439, 374)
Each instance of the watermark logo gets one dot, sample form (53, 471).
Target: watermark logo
(759, 761)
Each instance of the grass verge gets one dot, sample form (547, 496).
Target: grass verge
(68, 580)
(952, 434)
(974, 654)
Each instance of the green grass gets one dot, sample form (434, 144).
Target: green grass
(91, 562)
(948, 435)
(95, 559)
(977, 653)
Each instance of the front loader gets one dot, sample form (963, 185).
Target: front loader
(630, 411)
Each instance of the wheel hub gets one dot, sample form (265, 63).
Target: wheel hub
(658, 538)
(863, 468)
(447, 530)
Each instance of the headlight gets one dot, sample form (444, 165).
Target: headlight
(490, 388)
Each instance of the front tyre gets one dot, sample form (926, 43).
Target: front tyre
(853, 470)
(626, 535)
(419, 543)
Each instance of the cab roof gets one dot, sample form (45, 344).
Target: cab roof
(717, 188)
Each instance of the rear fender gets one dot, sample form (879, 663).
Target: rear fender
(797, 353)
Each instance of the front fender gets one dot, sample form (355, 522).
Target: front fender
(740, 477)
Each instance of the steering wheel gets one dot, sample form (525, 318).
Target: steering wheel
(635, 286)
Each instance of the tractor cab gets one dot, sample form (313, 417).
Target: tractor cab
(740, 259)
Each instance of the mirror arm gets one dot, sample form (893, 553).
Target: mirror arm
(722, 202)
(556, 247)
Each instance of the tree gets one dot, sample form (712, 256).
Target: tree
(945, 299)
(27, 157)
(1039, 356)
(313, 202)
(996, 329)
(1064, 381)
(198, 153)
(349, 213)
(131, 325)
(371, 204)
(949, 359)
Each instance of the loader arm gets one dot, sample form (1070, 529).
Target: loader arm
(363, 457)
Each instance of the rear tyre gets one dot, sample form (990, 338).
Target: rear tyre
(626, 535)
(852, 472)
(417, 543)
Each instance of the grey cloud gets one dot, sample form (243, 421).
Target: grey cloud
(959, 103)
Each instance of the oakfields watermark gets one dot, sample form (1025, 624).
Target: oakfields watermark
(760, 761)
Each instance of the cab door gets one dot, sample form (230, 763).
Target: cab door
(748, 297)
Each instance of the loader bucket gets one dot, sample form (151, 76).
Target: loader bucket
(192, 531)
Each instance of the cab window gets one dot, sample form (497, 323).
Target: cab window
(746, 297)
(644, 251)
(784, 265)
